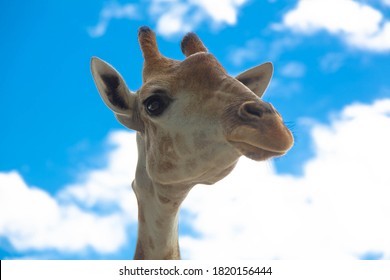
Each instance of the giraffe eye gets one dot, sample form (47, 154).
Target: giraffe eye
(155, 105)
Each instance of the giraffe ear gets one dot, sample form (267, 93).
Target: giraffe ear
(257, 78)
(115, 94)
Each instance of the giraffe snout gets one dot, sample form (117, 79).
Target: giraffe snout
(258, 131)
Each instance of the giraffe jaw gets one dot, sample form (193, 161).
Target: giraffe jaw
(254, 152)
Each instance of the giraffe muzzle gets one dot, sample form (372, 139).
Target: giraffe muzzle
(259, 133)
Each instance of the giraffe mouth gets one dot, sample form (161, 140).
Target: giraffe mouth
(255, 152)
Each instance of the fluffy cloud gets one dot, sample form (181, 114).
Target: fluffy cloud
(93, 214)
(386, 2)
(293, 69)
(338, 209)
(109, 187)
(172, 17)
(332, 62)
(111, 11)
(178, 17)
(358, 24)
(251, 51)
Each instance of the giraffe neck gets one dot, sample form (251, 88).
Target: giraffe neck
(157, 225)
(158, 214)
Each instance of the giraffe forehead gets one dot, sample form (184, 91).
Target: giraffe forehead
(198, 72)
(202, 67)
(201, 60)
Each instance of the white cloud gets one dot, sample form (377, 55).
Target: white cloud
(386, 2)
(338, 209)
(378, 41)
(293, 69)
(222, 11)
(178, 16)
(30, 218)
(109, 187)
(286, 88)
(251, 51)
(113, 10)
(331, 62)
(172, 17)
(254, 50)
(358, 24)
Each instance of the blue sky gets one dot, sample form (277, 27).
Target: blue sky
(60, 145)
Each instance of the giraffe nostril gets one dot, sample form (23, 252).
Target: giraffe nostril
(251, 110)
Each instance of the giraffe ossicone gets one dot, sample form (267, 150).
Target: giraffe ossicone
(193, 122)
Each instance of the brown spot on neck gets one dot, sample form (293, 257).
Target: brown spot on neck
(173, 253)
(141, 215)
(165, 166)
(163, 199)
(151, 243)
(139, 252)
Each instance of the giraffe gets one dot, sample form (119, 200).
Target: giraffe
(193, 122)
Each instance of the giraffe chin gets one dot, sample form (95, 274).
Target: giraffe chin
(255, 153)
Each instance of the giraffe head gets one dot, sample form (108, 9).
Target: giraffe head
(194, 120)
